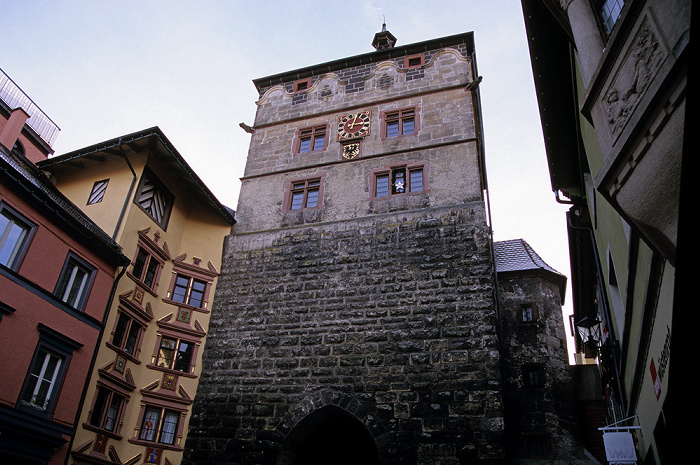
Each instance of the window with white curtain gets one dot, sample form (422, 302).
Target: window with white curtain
(159, 425)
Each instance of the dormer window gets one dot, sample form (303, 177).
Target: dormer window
(154, 199)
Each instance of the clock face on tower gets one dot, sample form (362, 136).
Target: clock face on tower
(353, 125)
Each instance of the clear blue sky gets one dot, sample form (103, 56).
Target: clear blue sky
(102, 69)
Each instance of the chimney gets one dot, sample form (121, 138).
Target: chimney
(13, 128)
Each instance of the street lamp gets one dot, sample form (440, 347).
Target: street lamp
(589, 332)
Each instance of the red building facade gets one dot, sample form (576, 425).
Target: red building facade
(57, 275)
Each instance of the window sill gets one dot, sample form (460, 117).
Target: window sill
(141, 284)
(122, 352)
(399, 137)
(172, 372)
(159, 445)
(109, 434)
(394, 196)
(181, 305)
(34, 410)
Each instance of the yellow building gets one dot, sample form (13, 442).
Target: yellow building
(140, 190)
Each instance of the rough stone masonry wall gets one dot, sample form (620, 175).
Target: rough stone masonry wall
(391, 318)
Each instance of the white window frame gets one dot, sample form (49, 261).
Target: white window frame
(70, 281)
(13, 245)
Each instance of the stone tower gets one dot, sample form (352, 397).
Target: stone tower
(355, 317)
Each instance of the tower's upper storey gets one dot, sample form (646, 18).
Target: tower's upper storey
(381, 75)
(376, 81)
(401, 125)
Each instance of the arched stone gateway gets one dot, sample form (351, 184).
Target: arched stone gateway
(329, 435)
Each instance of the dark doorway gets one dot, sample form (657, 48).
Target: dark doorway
(329, 435)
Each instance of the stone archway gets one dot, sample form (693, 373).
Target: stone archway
(329, 435)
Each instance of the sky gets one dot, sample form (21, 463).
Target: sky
(102, 69)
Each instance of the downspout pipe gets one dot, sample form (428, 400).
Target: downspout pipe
(476, 103)
(93, 361)
(131, 189)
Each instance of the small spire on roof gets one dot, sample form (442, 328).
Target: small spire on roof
(384, 39)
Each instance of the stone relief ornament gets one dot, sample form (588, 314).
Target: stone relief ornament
(633, 77)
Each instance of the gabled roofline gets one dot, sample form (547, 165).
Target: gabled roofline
(165, 147)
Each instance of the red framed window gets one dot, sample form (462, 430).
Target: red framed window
(399, 122)
(302, 85)
(304, 194)
(190, 285)
(127, 334)
(414, 61)
(148, 263)
(311, 139)
(399, 180)
(159, 425)
(189, 290)
(175, 354)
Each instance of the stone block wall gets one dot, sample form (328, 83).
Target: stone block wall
(389, 319)
(540, 411)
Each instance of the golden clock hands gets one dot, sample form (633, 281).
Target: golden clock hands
(354, 121)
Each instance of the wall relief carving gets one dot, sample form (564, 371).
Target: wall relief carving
(632, 78)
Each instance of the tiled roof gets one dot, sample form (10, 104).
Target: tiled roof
(517, 255)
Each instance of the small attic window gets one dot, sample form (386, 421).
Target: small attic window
(154, 198)
(414, 61)
(98, 192)
(302, 85)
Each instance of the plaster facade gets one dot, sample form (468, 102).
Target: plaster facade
(150, 356)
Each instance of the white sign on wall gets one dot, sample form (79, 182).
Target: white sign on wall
(619, 448)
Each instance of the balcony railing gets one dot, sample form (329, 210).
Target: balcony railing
(14, 97)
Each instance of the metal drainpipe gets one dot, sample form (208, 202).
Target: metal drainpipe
(93, 361)
(109, 304)
(476, 107)
(131, 190)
